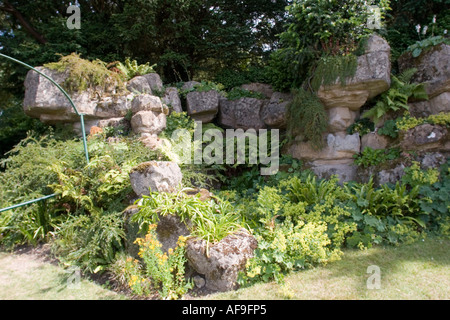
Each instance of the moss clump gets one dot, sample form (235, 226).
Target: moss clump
(84, 74)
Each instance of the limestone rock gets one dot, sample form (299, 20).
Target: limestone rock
(148, 122)
(189, 85)
(169, 229)
(243, 113)
(155, 82)
(425, 137)
(160, 176)
(274, 113)
(433, 69)
(265, 89)
(43, 100)
(172, 99)
(340, 119)
(224, 261)
(374, 140)
(345, 170)
(338, 146)
(139, 84)
(147, 102)
(203, 106)
(433, 160)
(372, 78)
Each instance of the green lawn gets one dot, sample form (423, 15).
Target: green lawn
(25, 277)
(418, 271)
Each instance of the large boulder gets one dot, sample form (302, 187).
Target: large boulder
(43, 100)
(220, 263)
(203, 106)
(372, 78)
(274, 113)
(243, 113)
(160, 176)
(172, 99)
(149, 114)
(433, 69)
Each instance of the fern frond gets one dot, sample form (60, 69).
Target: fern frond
(406, 76)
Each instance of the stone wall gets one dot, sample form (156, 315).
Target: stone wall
(342, 102)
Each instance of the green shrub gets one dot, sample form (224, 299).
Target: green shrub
(90, 241)
(417, 48)
(361, 126)
(286, 248)
(373, 157)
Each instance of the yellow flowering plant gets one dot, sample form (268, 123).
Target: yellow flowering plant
(165, 270)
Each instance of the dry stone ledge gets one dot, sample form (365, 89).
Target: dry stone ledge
(157, 176)
(433, 69)
(203, 106)
(338, 146)
(224, 261)
(372, 77)
(336, 158)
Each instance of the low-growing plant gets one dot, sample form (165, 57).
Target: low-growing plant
(212, 219)
(286, 248)
(361, 126)
(90, 241)
(373, 157)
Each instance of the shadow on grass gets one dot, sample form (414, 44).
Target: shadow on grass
(393, 262)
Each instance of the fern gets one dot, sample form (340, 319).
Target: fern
(398, 96)
(132, 69)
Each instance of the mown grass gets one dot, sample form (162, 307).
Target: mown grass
(25, 277)
(419, 271)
